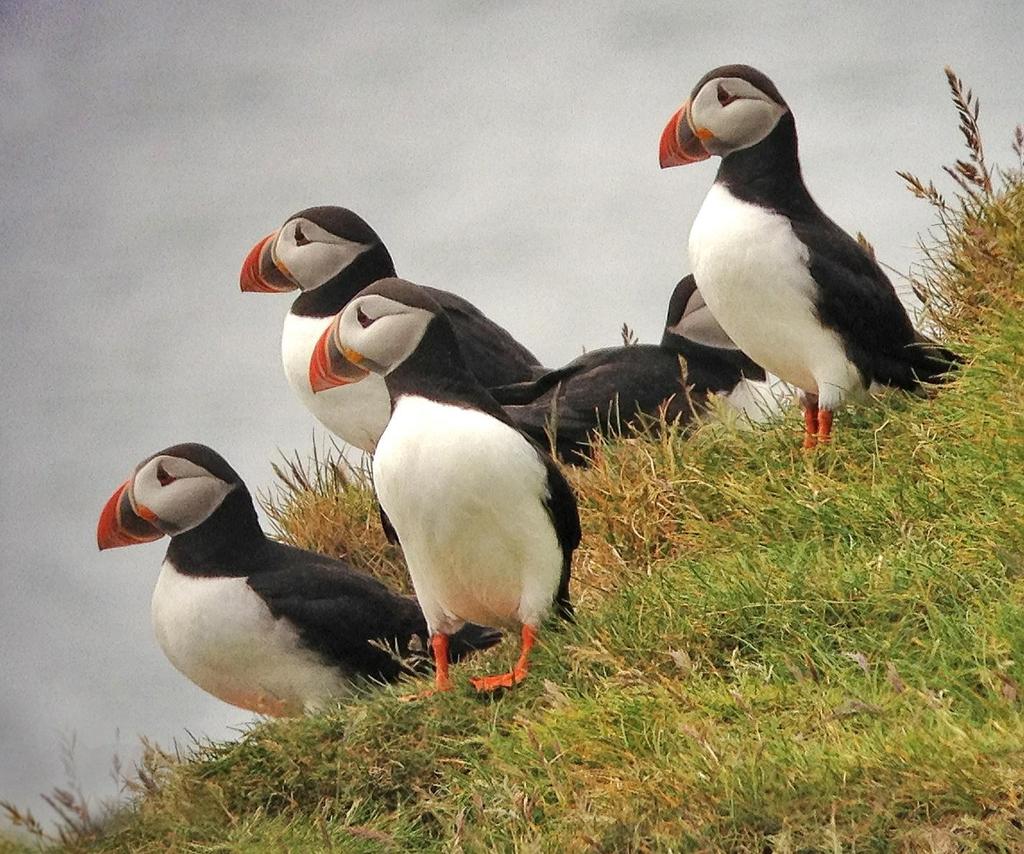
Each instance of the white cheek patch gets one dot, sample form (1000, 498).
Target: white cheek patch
(393, 335)
(745, 123)
(404, 333)
(742, 122)
(312, 264)
(192, 501)
(184, 502)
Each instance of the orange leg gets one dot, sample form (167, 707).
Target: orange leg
(811, 420)
(824, 426)
(439, 644)
(442, 681)
(517, 674)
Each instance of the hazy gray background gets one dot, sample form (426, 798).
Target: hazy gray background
(507, 152)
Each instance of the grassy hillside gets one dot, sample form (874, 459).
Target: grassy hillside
(775, 650)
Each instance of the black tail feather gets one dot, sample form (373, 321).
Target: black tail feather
(931, 362)
(563, 602)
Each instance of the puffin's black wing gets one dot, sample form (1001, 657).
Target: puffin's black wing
(492, 354)
(718, 370)
(561, 506)
(528, 391)
(624, 382)
(543, 422)
(856, 299)
(348, 616)
(607, 389)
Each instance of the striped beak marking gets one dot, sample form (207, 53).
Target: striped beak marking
(262, 272)
(331, 366)
(123, 523)
(681, 143)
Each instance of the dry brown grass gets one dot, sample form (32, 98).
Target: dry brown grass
(325, 503)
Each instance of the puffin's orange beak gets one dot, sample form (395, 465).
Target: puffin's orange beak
(680, 144)
(122, 524)
(331, 366)
(261, 273)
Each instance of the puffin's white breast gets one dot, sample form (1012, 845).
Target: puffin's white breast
(752, 271)
(220, 634)
(465, 493)
(356, 413)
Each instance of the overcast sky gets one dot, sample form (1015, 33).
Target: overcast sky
(507, 152)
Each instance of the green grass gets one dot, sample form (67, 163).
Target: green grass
(775, 650)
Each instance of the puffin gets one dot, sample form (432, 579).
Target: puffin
(256, 623)
(615, 386)
(794, 291)
(486, 520)
(329, 254)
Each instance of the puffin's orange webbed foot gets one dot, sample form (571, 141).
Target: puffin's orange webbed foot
(514, 676)
(485, 684)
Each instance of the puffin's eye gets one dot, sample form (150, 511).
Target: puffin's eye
(724, 96)
(300, 238)
(363, 318)
(162, 476)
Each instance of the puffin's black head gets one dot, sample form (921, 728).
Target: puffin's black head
(377, 331)
(684, 291)
(314, 247)
(732, 108)
(173, 491)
